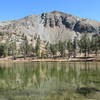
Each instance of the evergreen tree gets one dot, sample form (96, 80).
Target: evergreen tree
(74, 46)
(13, 49)
(53, 49)
(95, 44)
(37, 47)
(69, 48)
(84, 44)
(61, 47)
(3, 50)
(25, 47)
(47, 47)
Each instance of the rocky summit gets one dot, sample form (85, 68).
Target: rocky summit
(52, 27)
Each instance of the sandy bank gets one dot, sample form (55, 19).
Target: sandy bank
(8, 60)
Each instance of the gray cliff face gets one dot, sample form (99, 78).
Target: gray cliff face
(52, 27)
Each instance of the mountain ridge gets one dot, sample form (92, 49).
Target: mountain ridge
(52, 26)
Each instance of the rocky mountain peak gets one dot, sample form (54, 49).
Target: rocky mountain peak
(52, 26)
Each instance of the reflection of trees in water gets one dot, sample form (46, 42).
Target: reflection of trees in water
(35, 74)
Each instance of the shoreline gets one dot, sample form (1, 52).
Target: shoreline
(7, 60)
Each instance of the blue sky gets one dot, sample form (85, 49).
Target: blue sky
(15, 9)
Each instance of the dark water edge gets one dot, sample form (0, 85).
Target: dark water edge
(50, 81)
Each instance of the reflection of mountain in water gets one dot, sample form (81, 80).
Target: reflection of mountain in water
(47, 79)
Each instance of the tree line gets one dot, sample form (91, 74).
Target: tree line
(86, 45)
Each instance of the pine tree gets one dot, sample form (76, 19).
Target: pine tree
(61, 47)
(69, 48)
(53, 49)
(84, 44)
(37, 47)
(3, 50)
(13, 49)
(25, 47)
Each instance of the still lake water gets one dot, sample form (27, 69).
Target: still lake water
(50, 81)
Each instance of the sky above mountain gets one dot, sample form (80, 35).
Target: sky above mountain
(15, 9)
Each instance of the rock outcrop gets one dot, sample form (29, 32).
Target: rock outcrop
(52, 27)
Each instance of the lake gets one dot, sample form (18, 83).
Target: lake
(50, 81)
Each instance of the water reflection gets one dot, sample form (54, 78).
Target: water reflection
(50, 80)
